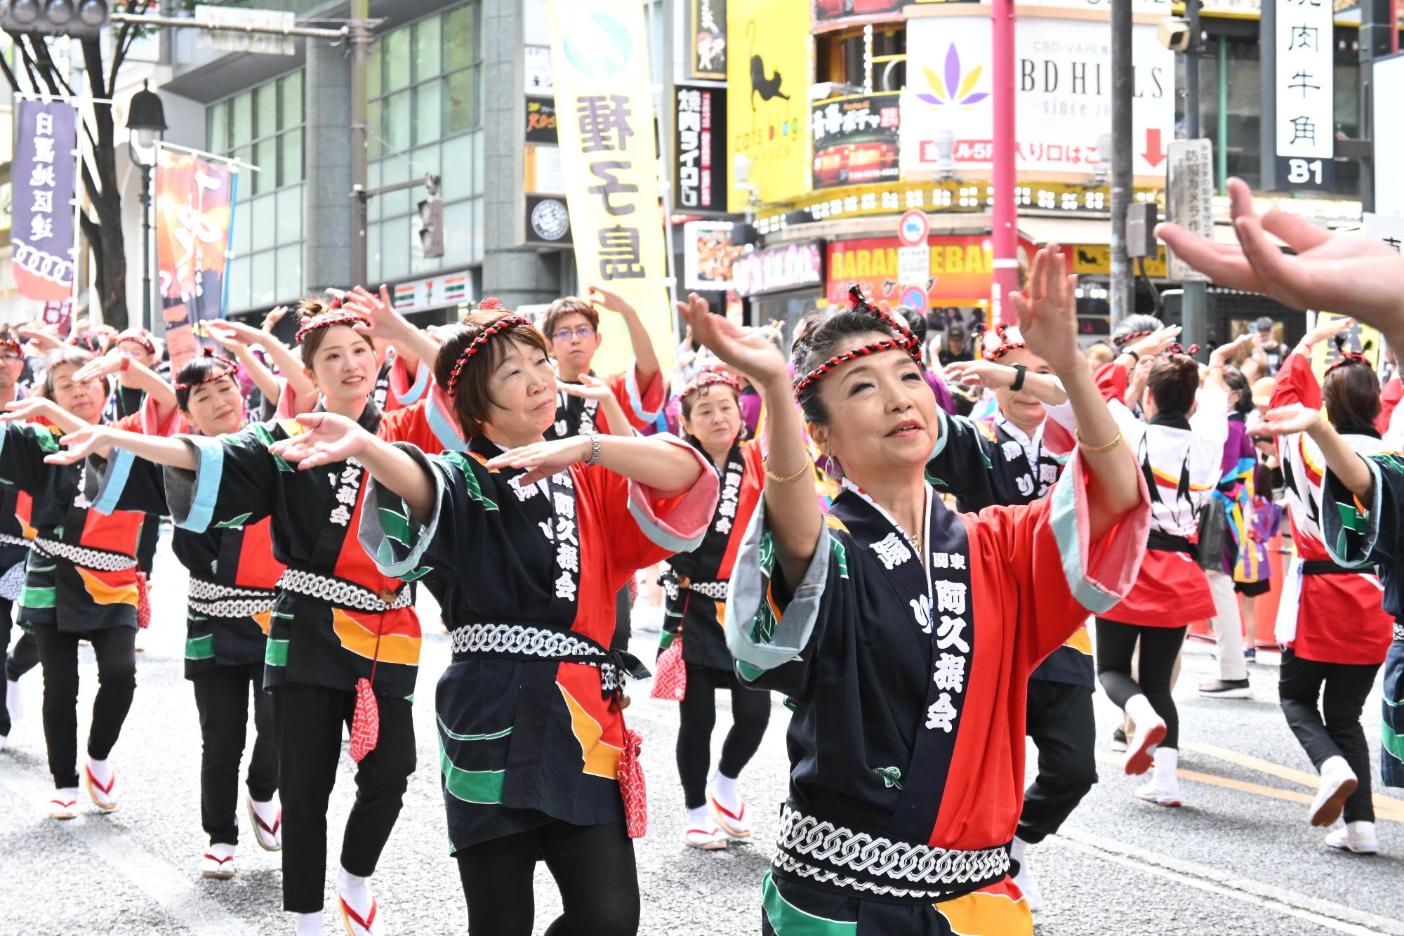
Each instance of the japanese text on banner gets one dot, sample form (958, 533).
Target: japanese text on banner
(194, 201)
(44, 260)
(609, 161)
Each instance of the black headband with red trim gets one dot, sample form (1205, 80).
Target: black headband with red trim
(335, 315)
(1176, 348)
(480, 342)
(902, 340)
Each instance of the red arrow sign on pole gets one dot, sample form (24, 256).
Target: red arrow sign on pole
(1155, 153)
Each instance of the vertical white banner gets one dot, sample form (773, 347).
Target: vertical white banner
(1305, 40)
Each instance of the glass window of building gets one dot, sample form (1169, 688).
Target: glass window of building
(264, 126)
(426, 119)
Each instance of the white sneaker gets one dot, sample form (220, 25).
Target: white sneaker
(706, 837)
(1025, 880)
(14, 702)
(102, 786)
(64, 804)
(218, 862)
(1338, 783)
(1163, 789)
(1150, 731)
(267, 822)
(1356, 837)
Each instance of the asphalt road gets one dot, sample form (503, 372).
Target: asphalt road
(1238, 860)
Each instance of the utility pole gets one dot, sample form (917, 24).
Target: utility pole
(1379, 33)
(1004, 227)
(360, 39)
(1123, 286)
(1194, 311)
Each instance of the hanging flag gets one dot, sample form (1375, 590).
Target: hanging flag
(194, 220)
(609, 162)
(45, 256)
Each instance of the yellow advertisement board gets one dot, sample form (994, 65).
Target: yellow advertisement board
(767, 99)
(1358, 339)
(609, 165)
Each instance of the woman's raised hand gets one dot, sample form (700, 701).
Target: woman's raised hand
(543, 459)
(79, 445)
(980, 374)
(1047, 310)
(748, 351)
(329, 438)
(589, 388)
(1288, 419)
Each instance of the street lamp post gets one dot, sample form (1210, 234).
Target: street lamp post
(146, 121)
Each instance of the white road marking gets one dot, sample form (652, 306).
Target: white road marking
(167, 886)
(1332, 916)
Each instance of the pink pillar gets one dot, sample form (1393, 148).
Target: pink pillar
(1005, 233)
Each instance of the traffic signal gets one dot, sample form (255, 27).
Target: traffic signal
(81, 19)
(431, 220)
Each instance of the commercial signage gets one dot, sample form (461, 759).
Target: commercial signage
(699, 170)
(767, 109)
(708, 255)
(832, 13)
(194, 219)
(960, 270)
(1063, 82)
(856, 139)
(706, 39)
(541, 120)
(547, 221)
(609, 162)
(1306, 123)
(433, 292)
(779, 269)
(45, 171)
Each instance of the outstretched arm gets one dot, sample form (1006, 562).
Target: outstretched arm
(411, 344)
(263, 378)
(592, 388)
(139, 376)
(100, 440)
(645, 358)
(1345, 463)
(32, 408)
(668, 469)
(1346, 273)
(1047, 312)
(288, 363)
(790, 502)
(997, 376)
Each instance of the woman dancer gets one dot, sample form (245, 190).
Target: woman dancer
(696, 587)
(233, 575)
(82, 580)
(1179, 447)
(904, 633)
(1333, 630)
(525, 544)
(343, 645)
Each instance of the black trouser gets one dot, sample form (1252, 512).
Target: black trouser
(308, 722)
(115, 649)
(1063, 726)
(1160, 646)
(222, 698)
(1338, 733)
(593, 867)
(24, 658)
(750, 713)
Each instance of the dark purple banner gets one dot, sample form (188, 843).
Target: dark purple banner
(45, 169)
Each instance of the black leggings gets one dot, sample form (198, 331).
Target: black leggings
(1160, 647)
(593, 867)
(750, 713)
(222, 698)
(1323, 702)
(115, 649)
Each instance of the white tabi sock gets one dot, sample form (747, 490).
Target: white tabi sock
(309, 924)
(1167, 761)
(354, 890)
(724, 788)
(102, 771)
(1141, 712)
(699, 818)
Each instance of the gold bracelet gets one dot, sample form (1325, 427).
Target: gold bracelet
(1097, 449)
(772, 476)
